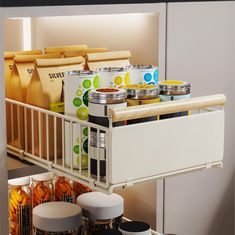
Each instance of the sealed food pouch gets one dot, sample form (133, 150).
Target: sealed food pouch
(83, 53)
(8, 64)
(62, 49)
(46, 91)
(9, 61)
(20, 78)
(101, 60)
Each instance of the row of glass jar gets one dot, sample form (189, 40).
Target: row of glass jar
(26, 193)
(95, 214)
(102, 99)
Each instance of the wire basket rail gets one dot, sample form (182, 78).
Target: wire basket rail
(133, 153)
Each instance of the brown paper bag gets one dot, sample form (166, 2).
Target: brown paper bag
(45, 91)
(108, 59)
(20, 78)
(62, 49)
(83, 53)
(8, 63)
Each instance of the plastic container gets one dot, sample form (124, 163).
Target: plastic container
(64, 189)
(144, 74)
(100, 100)
(56, 218)
(100, 211)
(20, 206)
(141, 94)
(114, 77)
(135, 228)
(174, 90)
(42, 188)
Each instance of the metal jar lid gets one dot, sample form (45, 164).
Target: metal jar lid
(107, 95)
(113, 69)
(143, 67)
(135, 228)
(142, 91)
(57, 216)
(174, 87)
(80, 73)
(100, 206)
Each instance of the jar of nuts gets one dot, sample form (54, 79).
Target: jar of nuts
(42, 188)
(20, 207)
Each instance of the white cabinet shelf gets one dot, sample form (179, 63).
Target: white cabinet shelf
(134, 153)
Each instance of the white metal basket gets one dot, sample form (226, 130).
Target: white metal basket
(134, 153)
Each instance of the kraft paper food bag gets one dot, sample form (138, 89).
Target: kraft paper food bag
(62, 49)
(8, 63)
(108, 59)
(46, 91)
(83, 53)
(20, 78)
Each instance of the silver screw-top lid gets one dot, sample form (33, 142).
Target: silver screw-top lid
(107, 95)
(57, 216)
(142, 91)
(80, 73)
(174, 87)
(143, 67)
(100, 206)
(113, 69)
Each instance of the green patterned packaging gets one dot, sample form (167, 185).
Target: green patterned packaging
(77, 85)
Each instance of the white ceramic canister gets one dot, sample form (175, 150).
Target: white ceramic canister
(100, 211)
(77, 86)
(114, 77)
(143, 74)
(135, 228)
(57, 218)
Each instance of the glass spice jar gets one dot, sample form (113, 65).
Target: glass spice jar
(64, 189)
(20, 206)
(141, 94)
(174, 90)
(42, 188)
(56, 218)
(100, 211)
